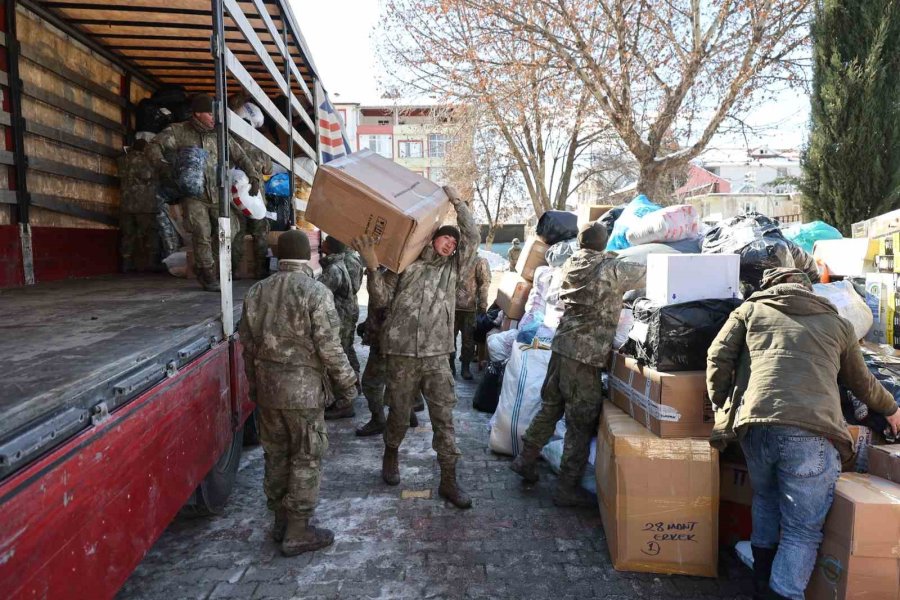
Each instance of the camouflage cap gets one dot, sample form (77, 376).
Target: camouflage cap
(782, 275)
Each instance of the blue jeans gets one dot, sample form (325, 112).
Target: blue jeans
(793, 473)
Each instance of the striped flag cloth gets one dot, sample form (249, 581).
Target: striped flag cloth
(332, 139)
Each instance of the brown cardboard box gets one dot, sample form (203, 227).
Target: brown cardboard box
(884, 462)
(734, 483)
(860, 555)
(366, 194)
(531, 258)
(591, 212)
(671, 405)
(512, 294)
(659, 499)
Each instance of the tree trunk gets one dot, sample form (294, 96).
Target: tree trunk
(655, 182)
(489, 240)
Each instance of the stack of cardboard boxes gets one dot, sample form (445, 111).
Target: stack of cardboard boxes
(512, 293)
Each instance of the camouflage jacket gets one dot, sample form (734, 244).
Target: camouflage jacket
(138, 179)
(592, 289)
(261, 160)
(472, 288)
(513, 256)
(164, 147)
(337, 278)
(289, 331)
(421, 301)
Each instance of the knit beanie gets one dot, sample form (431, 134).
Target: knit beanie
(450, 230)
(593, 236)
(202, 103)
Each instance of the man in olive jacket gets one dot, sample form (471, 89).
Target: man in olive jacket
(417, 339)
(772, 373)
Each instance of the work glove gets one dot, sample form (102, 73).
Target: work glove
(452, 194)
(254, 186)
(365, 245)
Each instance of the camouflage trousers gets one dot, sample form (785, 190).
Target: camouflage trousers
(406, 377)
(465, 324)
(294, 442)
(202, 221)
(573, 389)
(348, 336)
(141, 243)
(259, 230)
(373, 382)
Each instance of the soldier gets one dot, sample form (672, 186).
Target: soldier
(141, 244)
(471, 300)
(289, 331)
(593, 284)
(201, 213)
(417, 339)
(344, 287)
(258, 229)
(513, 254)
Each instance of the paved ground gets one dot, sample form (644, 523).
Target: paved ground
(404, 542)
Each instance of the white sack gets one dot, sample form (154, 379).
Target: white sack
(500, 345)
(253, 207)
(553, 451)
(849, 305)
(520, 398)
(176, 263)
(670, 224)
(626, 320)
(252, 114)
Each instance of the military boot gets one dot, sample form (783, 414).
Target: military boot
(525, 464)
(373, 427)
(762, 571)
(449, 489)
(453, 365)
(339, 412)
(569, 493)
(279, 526)
(300, 537)
(465, 372)
(208, 279)
(390, 466)
(413, 419)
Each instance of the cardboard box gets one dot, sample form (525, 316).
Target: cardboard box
(889, 244)
(847, 257)
(512, 294)
(678, 278)
(591, 212)
(671, 405)
(881, 298)
(884, 224)
(859, 556)
(659, 499)
(734, 483)
(884, 462)
(366, 194)
(531, 258)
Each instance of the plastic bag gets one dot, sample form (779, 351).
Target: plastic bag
(252, 114)
(671, 224)
(190, 171)
(631, 216)
(626, 320)
(279, 185)
(553, 306)
(677, 337)
(169, 237)
(553, 451)
(151, 116)
(690, 245)
(520, 398)
(487, 394)
(849, 305)
(560, 252)
(610, 217)
(808, 234)
(757, 239)
(556, 226)
(250, 206)
(176, 263)
(500, 345)
(485, 323)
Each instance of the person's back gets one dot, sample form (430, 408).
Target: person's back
(772, 374)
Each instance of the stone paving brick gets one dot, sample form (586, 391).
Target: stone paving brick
(514, 543)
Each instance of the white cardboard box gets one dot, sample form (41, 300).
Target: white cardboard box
(847, 257)
(677, 278)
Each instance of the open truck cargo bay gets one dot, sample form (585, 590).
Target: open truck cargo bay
(123, 397)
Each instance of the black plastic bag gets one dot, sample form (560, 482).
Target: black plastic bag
(281, 206)
(556, 226)
(171, 241)
(804, 261)
(678, 336)
(560, 252)
(485, 323)
(857, 413)
(610, 217)
(487, 395)
(150, 116)
(757, 239)
(190, 171)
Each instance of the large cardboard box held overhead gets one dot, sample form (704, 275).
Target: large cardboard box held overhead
(659, 499)
(366, 194)
(860, 555)
(532, 257)
(512, 294)
(671, 405)
(679, 278)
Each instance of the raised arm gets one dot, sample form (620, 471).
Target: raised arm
(380, 285)
(469, 237)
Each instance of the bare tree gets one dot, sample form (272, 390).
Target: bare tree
(660, 71)
(545, 115)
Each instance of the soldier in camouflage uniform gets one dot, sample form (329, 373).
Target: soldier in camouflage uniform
(201, 213)
(289, 331)
(471, 300)
(258, 229)
(344, 287)
(141, 243)
(417, 339)
(513, 254)
(594, 282)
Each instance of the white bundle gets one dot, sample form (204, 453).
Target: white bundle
(671, 224)
(520, 398)
(250, 206)
(252, 114)
(849, 305)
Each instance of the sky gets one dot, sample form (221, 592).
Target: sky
(339, 34)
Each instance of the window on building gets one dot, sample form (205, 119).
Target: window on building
(437, 175)
(410, 149)
(782, 172)
(382, 144)
(438, 144)
(343, 113)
